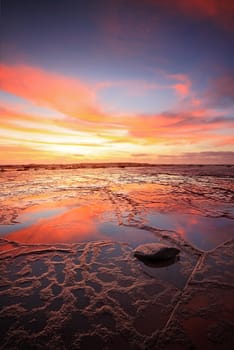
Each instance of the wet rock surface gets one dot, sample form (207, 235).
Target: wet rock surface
(203, 316)
(68, 275)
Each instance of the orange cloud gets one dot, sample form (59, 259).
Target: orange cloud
(86, 131)
(225, 141)
(188, 127)
(67, 95)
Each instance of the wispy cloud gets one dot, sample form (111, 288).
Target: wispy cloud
(210, 157)
(66, 95)
(83, 126)
(182, 87)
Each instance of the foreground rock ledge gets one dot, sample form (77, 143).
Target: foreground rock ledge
(155, 252)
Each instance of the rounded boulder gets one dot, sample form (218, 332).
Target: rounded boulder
(155, 252)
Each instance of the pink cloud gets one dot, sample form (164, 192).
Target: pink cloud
(67, 95)
(182, 88)
(195, 124)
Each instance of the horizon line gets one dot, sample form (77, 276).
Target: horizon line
(110, 164)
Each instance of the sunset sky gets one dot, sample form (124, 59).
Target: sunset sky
(117, 80)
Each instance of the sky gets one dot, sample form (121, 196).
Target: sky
(117, 81)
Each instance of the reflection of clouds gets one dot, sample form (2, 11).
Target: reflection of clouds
(203, 232)
(75, 223)
(166, 206)
(91, 204)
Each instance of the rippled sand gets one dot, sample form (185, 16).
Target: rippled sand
(68, 275)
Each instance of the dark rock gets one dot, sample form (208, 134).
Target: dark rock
(160, 263)
(155, 252)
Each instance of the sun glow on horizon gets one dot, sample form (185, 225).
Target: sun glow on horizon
(118, 93)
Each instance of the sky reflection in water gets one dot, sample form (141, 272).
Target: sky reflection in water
(69, 224)
(203, 232)
(81, 205)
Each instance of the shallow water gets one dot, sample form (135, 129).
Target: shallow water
(81, 205)
(68, 274)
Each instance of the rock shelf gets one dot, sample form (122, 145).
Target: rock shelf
(69, 278)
